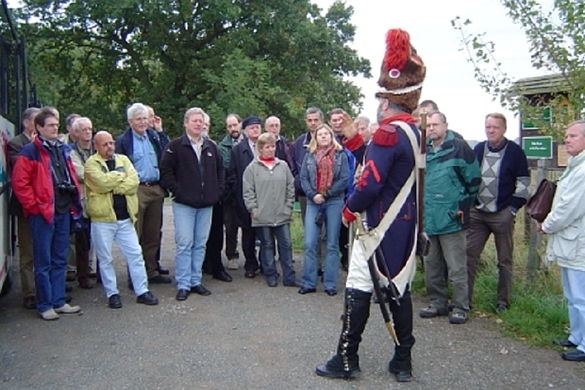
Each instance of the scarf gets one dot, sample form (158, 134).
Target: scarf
(324, 155)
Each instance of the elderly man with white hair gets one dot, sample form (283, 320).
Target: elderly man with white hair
(144, 147)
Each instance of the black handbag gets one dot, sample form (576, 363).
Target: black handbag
(540, 204)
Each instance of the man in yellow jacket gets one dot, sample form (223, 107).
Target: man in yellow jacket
(112, 204)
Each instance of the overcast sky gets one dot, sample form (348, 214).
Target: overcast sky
(449, 79)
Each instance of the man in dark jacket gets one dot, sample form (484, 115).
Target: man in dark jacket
(241, 156)
(234, 127)
(144, 147)
(284, 149)
(25, 250)
(192, 169)
(313, 119)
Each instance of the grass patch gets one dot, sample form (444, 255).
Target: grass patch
(538, 311)
(297, 234)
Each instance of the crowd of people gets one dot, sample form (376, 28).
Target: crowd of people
(77, 193)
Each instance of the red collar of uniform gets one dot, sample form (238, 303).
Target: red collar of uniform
(400, 117)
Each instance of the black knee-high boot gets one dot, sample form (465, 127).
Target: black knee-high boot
(401, 364)
(345, 364)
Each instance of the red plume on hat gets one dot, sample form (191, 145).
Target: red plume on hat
(397, 49)
(402, 72)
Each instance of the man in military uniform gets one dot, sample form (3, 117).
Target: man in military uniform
(387, 183)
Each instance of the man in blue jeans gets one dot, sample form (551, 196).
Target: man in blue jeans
(45, 183)
(192, 169)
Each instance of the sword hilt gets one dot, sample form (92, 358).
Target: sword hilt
(360, 224)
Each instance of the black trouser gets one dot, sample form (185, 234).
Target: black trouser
(343, 241)
(231, 231)
(249, 248)
(82, 243)
(212, 263)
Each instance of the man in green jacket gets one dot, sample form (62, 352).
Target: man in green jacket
(111, 184)
(451, 183)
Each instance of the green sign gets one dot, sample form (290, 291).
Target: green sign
(537, 147)
(542, 114)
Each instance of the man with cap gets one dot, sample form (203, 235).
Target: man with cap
(386, 188)
(241, 156)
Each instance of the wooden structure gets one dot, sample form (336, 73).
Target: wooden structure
(540, 91)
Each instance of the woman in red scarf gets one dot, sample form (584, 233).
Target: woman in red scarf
(324, 178)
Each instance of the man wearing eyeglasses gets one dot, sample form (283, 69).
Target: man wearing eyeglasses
(44, 182)
(144, 147)
(452, 180)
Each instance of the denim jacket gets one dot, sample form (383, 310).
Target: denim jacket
(340, 176)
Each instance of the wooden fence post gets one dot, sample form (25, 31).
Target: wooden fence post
(533, 261)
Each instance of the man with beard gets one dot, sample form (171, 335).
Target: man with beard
(241, 156)
(234, 127)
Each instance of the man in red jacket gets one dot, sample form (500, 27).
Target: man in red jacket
(45, 183)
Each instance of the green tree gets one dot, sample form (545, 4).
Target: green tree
(269, 57)
(556, 42)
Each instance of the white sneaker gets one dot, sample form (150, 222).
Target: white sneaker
(49, 315)
(66, 309)
(232, 264)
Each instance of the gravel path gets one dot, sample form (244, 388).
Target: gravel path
(249, 336)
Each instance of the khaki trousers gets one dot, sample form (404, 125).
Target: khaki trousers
(150, 205)
(447, 254)
(25, 254)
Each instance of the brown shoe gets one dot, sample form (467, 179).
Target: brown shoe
(86, 284)
(30, 302)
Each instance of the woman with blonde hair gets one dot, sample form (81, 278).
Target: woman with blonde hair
(269, 196)
(324, 178)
